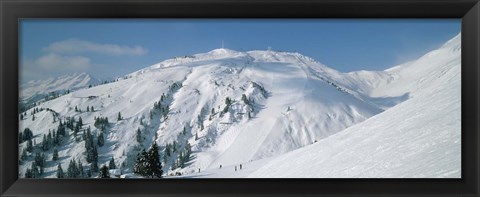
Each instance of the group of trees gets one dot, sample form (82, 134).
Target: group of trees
(160, 107)
(89, 109)
(27, 134)
(74, 170)
(37, 167)
(91, 152)
(148, 163)
(101, 123)
(180, 153)
(34, 111)
(50, 140)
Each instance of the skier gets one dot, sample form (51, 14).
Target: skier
(240, 166)
(198, 170)
(235, 168)
(220, 166)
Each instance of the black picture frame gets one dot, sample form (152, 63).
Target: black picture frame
(13, 10)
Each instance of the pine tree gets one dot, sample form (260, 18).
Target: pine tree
(92, 109)
(80, 121)
(29, 145)
(100, 139)
(27, 134)
(55, 155)
(94, 166)
(81, 173)
(140, 166)
(72, 171)
(104, 172)
(24, 155)
(89, 173)
(76, 109)
(244, 99)
(119, 116)
(76, 130)
(35, 173)
(154, 167)
(139, 136)
(33, 117)
(174, 146)
(44, 143)
(60, 173)
(111, 164)
(88, 109)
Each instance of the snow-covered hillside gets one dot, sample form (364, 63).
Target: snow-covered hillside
(34, 91)
(418, 138)
(262, 106)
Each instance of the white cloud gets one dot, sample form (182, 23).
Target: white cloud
(57, 62)
(79, 46)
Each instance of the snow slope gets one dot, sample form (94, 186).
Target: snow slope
(420, 137)
(356, 121)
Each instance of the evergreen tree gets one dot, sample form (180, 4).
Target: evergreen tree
(88, 109)
(94, 166)
(28, 173)
(104, 172)
(27, 134)
(81, 173)
(29, 145)
(111, 164)
(228, 102)
(40, 160)
(61, 129)
(174, 146)
(44, 143)
(60, 173)
(167, 150)
(76, 109)
(140, 166)
(35, 173)
(20, 137)
(92, 109)
(21, 116)
(119, 116)
(49, 140)
(76, 130)
(55, 155)
(80, 121)
(245, 100)
(100, 139)
(33, 117)
(139, 136)
(72, 171)
(154, 167)
(89, 173)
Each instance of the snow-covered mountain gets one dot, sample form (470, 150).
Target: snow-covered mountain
(36, 90)
(266, 107)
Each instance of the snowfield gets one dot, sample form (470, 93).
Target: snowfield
(286, 115)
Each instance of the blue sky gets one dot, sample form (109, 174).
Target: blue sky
(109, 48)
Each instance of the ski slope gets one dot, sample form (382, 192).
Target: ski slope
(418, 138)
(301, 118)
